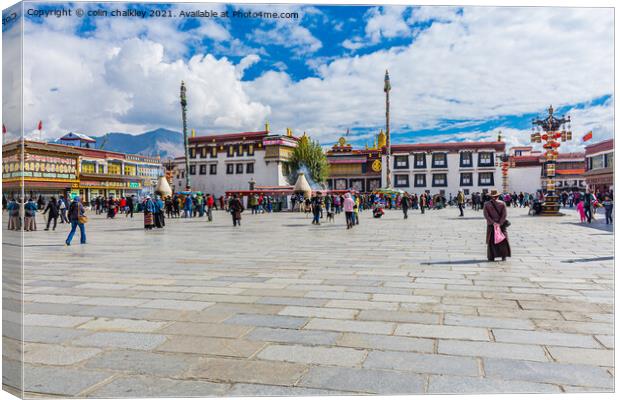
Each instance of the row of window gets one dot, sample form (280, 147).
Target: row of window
(440, 160)
(232, 150)
(441, 180)
(601, 161)
(230, 169)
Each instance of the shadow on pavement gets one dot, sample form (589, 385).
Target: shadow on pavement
(576, 260)
(455, 262)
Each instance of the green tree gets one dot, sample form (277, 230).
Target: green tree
(308, 155)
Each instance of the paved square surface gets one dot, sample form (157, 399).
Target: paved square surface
(281, 307)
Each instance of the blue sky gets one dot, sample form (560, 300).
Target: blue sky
(458, 73)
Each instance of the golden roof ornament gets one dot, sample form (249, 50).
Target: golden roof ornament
(381, 140)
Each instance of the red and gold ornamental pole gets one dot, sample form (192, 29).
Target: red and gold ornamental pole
(553, 131)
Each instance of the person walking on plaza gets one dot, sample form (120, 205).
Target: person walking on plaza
(588, 204)
(316, 209)
(188, 206)
(609, 207)
(423, 202)
(404, 203)
(14, 217)
(460, 201)
(76, 218)
(52, 208)
(158, 215)
(496, 215)
(149, 210)
(130, 205)
(30, 214)
(62, 208)
(210, 204)
(348, 205)
(236, 208)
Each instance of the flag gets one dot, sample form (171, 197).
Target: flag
(3, 129)
(40, 126)
(587, 136)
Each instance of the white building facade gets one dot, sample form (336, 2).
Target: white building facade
(445, 168)
(234, 162)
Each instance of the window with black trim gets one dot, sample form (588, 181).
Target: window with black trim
(467, 179)
(240, 150)
(192, 152)
(440, 160)
(239, 168)
(485, 159)
(440, 180)
(401, 180)
(214, 152)
(419, 180)
(485, 179)
(230, 169)
(251, 149)
(419, 160)
(203, 169)
(192, 170)
(249, 168)
(213, 169)
(203, 152)
(466, 159)
(231, 151)
(401, 162)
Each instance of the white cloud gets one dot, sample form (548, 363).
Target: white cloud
(289, 35)
(386, 22)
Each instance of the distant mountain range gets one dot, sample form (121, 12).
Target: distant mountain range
(159, 142)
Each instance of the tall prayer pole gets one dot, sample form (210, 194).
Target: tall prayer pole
(386, 88)
(185, 139)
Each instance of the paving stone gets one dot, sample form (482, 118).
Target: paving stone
(140, 362)
(422, 363)
(462, 385)
(177, 304)
(350, 326)
(399, 316)
(292, 301)
(492, 349)
(606, 340)
(364, 380)
(273, 321)
(48, 298)
(206, 329)
(576, 326)
(589, 389)
(104, 286)
(249, 389)
(399, 298)
(572, 355)
(194, 389)
(442, 331)
(213, 290)
(518, 314)
(240, 279)
(133, 386)
(211, 346)
(384, 342)
(578, 375)
(540, 337)
(487, 322)
(247, 371)
(44, 334)
(122, 325)
(112, 301)
(338, 313)
(59, 321)
(293, 336)
(114, 312)
(53, 354)
(338, 295)
(134, 341)
(60, 381)
(362, 305)
(313, 355)
(52, 308)
(229, 298)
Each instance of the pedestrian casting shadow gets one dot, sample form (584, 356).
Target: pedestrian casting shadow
(44, 245)
(123, 230)
(597, 225)
(465, 218)
(576, 260)
(458, 262)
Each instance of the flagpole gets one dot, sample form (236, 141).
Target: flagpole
(387, 87)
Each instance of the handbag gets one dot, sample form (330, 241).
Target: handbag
(82, 219)
(506, 223)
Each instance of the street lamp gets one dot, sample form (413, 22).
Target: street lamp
(554, 130)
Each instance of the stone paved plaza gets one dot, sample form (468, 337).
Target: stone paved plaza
(282, 307)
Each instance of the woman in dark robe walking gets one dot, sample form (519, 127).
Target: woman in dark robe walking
(236, 208)
(495, 213)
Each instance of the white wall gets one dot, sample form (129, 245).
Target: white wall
(453, 172)
(524, 179)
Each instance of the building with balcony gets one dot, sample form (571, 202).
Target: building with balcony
(445, 168)
(599, 163)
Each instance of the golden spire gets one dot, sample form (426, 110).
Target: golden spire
(381, 140)
(267, 126)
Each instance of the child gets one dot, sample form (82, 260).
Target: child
(581, 211)
(609, 206)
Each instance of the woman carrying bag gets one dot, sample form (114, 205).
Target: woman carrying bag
(77, 218)
(497, 238)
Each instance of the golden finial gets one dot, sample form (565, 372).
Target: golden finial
(267, 126)
(499, 136)
(193, 132)
(381, 140)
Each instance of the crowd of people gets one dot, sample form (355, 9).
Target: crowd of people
(321, 205)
